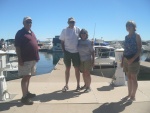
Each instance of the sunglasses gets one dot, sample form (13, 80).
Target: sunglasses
(71, 22)
(29, 22)
(83, 33)
(129, 25)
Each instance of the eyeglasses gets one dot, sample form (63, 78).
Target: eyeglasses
(29, 22)
(71, 22)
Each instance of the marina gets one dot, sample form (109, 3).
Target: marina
(48, 61)
(41, 38)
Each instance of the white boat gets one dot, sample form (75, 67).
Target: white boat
(11, 70)
(104, 61)
(56, 45)
(115, 44)
(47, 45)
(145, 47)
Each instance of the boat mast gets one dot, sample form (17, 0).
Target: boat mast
(94, 34)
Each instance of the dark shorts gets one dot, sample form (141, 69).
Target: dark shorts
(74, 57)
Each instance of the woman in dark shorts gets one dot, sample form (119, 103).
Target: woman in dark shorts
(131, 57)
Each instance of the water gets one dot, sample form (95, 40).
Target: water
(47, 62)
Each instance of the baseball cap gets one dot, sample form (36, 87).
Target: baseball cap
(26, 18)
(71, 19)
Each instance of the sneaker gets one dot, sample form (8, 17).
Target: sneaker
(87, 90)
(26, 101)
(30, 95)
(77, 89)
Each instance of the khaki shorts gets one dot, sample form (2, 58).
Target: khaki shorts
(29, 68)
(85, 65)
(132, 68)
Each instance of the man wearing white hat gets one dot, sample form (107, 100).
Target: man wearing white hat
(27, 52)
(69, 41)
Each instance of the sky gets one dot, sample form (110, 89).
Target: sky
(104, 19)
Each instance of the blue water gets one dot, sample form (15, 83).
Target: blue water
(47, 62)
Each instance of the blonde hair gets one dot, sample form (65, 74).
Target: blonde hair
(131, 23)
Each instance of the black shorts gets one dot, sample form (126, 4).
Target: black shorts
(74, 57)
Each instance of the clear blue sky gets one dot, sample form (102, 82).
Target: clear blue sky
(50, 17)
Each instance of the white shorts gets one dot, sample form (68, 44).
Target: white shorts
(29, 68)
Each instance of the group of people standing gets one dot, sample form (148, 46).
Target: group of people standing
(80, 52)
(77, 50)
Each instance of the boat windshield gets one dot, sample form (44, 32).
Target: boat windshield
(104, 52)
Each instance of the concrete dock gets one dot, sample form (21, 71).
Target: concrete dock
(145, 67)
(104, 98)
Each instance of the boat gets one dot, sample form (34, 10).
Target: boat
(115, 44)
(104, 61)
(56, 45)
(145, 46)
(11, 70)
(45, 46)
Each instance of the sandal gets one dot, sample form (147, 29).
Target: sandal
(132, 99)
(125, 98)
(65, 88)
(87, 90)
(83, 87)
(77, 89)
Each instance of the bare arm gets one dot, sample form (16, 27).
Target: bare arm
(18, 51)
(93, 58)
(63, 45)
(139, 45)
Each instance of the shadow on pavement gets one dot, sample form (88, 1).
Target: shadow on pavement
(106, 88)
(7, 105)
(57, 95)
(114, 107)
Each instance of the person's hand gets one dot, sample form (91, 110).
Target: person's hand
(130, 61)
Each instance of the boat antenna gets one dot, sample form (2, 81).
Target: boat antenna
(94, 31)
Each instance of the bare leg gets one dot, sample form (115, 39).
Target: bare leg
(88, 79)
(24, 85)
(134, 85)
(28, 84)
(84, 79)
(129, 85)
(77, 73)
(67, 75)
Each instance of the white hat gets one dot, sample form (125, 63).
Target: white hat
(26, 18)
(71, 19)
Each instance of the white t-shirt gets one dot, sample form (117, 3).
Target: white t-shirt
(70, 38)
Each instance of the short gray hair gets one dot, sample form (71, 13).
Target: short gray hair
(130, 22)
(83, 31)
